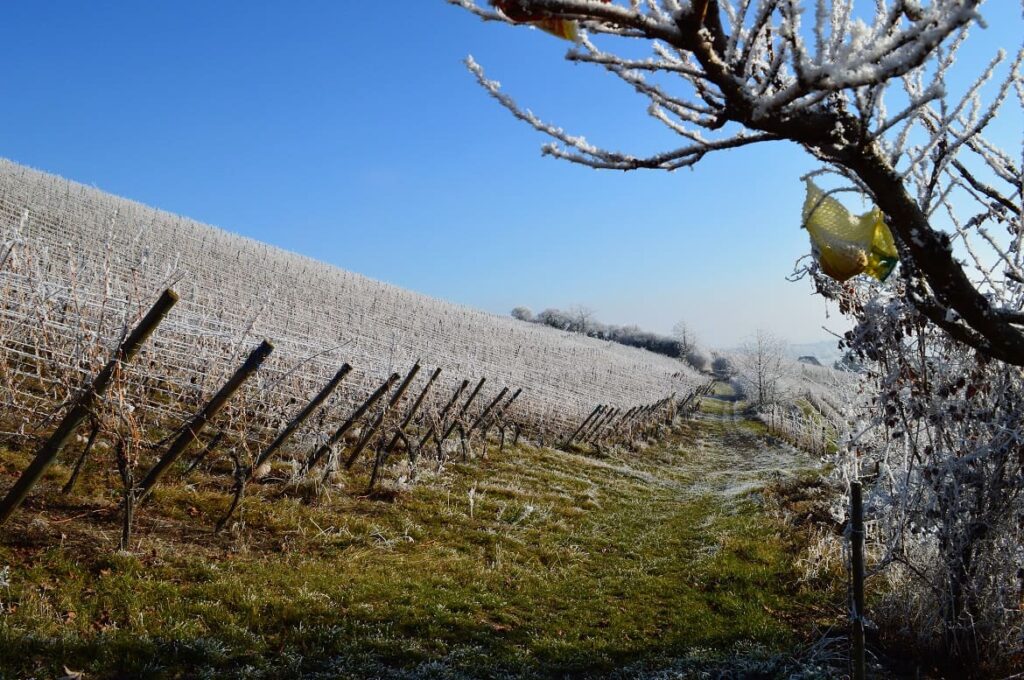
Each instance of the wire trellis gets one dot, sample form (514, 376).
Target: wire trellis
(78, 267)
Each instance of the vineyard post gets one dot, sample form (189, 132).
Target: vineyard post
(857, 564)
(83, 407)
(589, 430)
(622, 420)
(191, 431)
(586, 421)
(594, 434)
(633, 417)
(412, 412)
(613, 425)
(598, 433)
(462, 412)
(500, 415)
(375, 425)
(383, 453)
(623, 425)
(444, 412)
(319, 452)
(508, 404)
(596, 430)
(487, 411)
(298, 420)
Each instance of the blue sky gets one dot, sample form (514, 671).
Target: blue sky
(357, 137)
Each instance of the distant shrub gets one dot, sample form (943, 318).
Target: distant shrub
(723, 367)
(580, 320)
(699, 359)
(522, 313)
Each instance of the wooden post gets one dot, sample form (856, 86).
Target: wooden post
(589, 429)
(319, 453)
(382, 453)
(298, 420)
(503, 410)
(412, 412)
(487, 411)
(622, 422)
(857, 563)
(596, 425)
(462, 411)
(191, 431)
(444, 412)
(372, 429)
(70, 485)
(586, 421)
(83, 407)
(592, 435)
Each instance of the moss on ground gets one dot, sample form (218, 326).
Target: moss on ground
(527, 562)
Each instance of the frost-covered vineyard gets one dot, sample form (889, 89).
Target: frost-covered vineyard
(77, 266)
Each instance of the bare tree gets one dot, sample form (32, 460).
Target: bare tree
(868, 98)
(762, 366)
(687, 338)
(581, 318)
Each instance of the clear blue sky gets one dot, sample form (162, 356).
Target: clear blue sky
(356, 137)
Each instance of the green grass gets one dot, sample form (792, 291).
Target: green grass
(561, 564)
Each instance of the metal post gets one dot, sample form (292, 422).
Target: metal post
(857, 562)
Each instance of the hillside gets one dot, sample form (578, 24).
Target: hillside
(79, 265)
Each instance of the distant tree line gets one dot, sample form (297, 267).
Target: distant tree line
(681, 345)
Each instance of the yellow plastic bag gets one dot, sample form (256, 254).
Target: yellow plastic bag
(844, 244)
(567, 29)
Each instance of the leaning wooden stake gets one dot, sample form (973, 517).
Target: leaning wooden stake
(594, 434)
(605, 410)
(412, 412)
(191, 431)
(462, 412)
(383, 453)
(487, 411)
(857, 562)
(444, 412)
(502, 411)
(593, 414)
(83, 407)
(323, 450)
(379, 420)
(304, 415)
(617, 428)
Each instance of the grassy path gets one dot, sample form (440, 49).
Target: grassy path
(532, 562)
